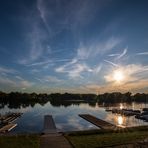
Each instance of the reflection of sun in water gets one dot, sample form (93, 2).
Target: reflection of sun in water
(120, 120)
(121, 106)
(118, 76)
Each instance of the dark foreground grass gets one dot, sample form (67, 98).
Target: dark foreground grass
(102, 138)
(19, 141)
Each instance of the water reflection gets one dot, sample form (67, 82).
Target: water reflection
(66, 116)
(121, 106)
(120, 120)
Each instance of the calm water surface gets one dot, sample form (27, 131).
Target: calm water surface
(67, 119)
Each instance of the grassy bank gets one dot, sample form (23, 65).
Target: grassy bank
(21, 141)
(103, 138)
(81, 139)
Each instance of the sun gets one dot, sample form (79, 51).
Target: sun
(118, 76)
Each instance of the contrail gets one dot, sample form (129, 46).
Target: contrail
(42, 15)
(122, 54)
(49, 62)
(113, 55)
(111, 63)
(142, 53)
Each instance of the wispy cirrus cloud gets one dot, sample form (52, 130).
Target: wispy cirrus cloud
(112, 63)
(52, 79)
(71, 15)
(9, 78)
(122, 54)
(73, 69)
(142, 53)
(14, 84)
(119, 55)
(97, 48)
(51, 61)
(36, 48)
(43, 14)
(78, 64)
(7, 70)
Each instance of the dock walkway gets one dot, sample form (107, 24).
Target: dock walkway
(49, 125)
(51, 138)
(54, 141)
(98, 122)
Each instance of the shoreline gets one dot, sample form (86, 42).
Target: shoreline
(77, 139)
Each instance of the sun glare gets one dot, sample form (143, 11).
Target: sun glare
(120, 120)
(118, 76)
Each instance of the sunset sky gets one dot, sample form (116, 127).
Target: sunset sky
(78, 46)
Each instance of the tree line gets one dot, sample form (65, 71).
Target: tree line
(15, 99)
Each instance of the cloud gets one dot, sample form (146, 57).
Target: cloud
(35, 38)
(42, 12)
(97, 48)
(117, 55)
(48, 79)
(18, 84)
(6, 81)
(135, 79)
(122, 54)
(36, 48)
(113, 64)
(24, 84)
(52, 79)
(114, 55)
(74, 69)
(142, 53)
(47, 62)
(130, 73)
(7, 70)
(19, 78)
(97, 69)
(78, 65)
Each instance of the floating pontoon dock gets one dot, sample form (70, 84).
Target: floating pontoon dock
(8, 118)
(6, 121)
(98, 122)
(49, 125)
(7, 127)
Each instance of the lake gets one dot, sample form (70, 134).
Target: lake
(66, 116)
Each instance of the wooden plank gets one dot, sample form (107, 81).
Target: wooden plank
(49, 125)
(10, 117)
(98, 122)
(7, 127)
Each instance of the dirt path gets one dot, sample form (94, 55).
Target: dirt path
(54, 141)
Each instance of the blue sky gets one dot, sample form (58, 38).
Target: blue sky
(73, 45)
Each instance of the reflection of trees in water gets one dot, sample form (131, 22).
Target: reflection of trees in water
(18, 100)
(63, 103)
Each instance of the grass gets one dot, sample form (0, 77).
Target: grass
(19, 141)
(101, 138)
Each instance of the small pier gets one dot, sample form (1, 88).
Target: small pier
(6, 121)
(7, 128)
(49, 125)
(98, 122)
(51, 138)
(10, 117)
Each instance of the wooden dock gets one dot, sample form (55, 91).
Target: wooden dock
(6, 121)
(7, 127)
(49, 125)
(98, 122)
(9, 118)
